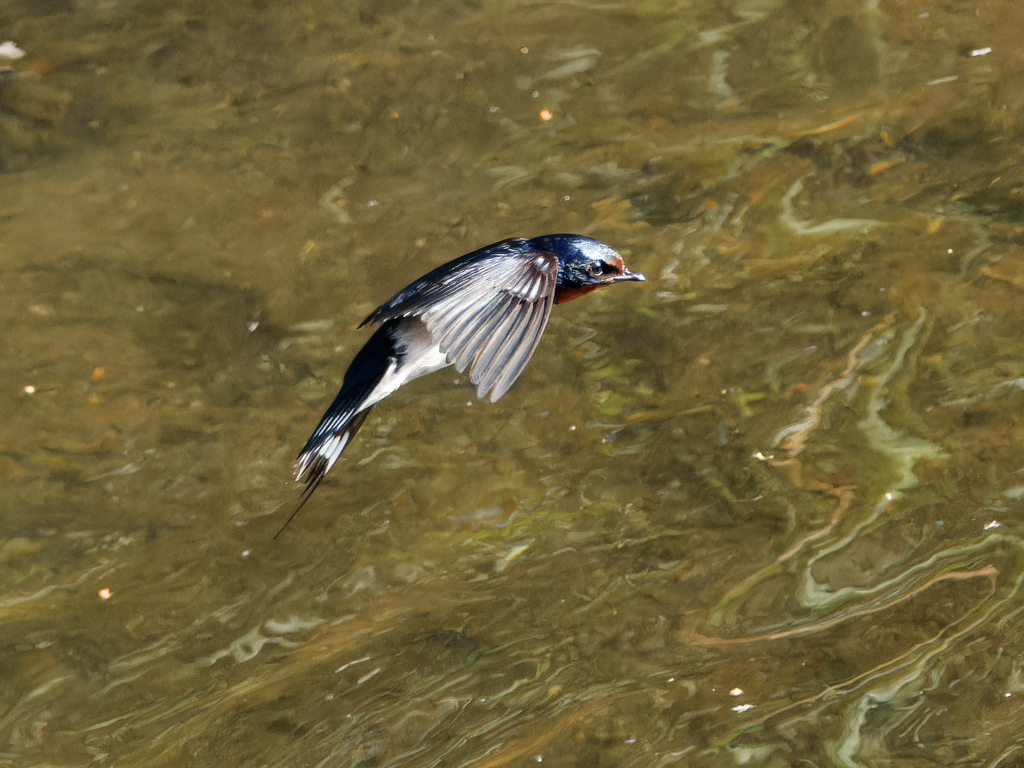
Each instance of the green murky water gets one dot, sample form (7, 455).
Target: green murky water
(764, 509)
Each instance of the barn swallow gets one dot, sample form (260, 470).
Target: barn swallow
(484, 311)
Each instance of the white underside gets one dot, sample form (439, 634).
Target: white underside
(421, 355)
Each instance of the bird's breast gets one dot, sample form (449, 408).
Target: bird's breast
(563, 295)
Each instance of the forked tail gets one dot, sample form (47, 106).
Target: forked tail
(335, 431)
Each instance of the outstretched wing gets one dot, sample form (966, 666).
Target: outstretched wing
(486, 310)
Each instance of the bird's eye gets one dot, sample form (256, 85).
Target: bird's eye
(595, 268)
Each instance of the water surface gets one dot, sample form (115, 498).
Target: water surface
(763, 509)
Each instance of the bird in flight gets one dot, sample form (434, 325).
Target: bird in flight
(484, 311)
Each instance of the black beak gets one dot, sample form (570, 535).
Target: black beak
(627, 275)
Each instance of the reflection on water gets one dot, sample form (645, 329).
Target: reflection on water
(764, 509)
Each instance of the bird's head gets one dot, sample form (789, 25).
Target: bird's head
(584, 264)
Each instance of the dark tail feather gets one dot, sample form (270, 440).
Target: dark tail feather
(314, 469)
(310, 487)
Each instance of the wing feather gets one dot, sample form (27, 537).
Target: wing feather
(492, 353)
(467, 341)
(450, 280)
(520, 356)
(469, 352)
